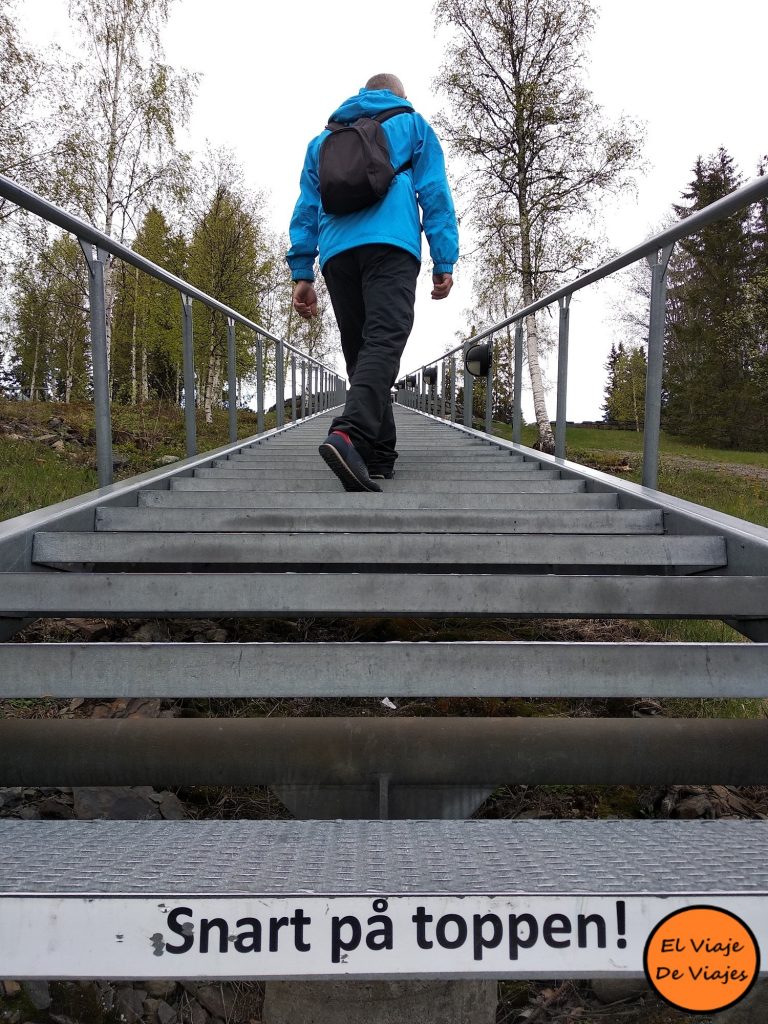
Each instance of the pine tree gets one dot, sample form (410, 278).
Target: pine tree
(625, 394)
(708, 384)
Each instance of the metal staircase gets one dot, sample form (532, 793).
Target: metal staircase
(470, 526)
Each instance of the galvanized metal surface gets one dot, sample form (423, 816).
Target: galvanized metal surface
(362, 593)
(415, 550)
(349, 501)
(379, 520)
(349, 857)
(412, 751)
(480, 669)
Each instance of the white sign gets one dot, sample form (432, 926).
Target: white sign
(312, 936)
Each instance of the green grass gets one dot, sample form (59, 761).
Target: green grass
(631, 442)
(33, 475)
(33, 478)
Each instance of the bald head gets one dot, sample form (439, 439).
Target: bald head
(391, 82)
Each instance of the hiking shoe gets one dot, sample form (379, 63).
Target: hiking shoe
(341, 456)
(381, 474)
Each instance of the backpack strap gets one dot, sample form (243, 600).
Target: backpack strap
(392, 112)
(385, 116)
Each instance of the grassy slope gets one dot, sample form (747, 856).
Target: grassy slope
(33, 475)
(735, 482)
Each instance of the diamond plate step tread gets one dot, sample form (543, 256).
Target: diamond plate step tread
(378, 549)
(353, 594)
(390, 857)
(478, 669)
(471, 475)
(378, 520)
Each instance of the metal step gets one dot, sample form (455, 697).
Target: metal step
(415, 550)
(342, 500)
(134, 899)
(373, 520)
(542, 483)
(492, 467)
(487, 478)
(363, 594)
(477, 669)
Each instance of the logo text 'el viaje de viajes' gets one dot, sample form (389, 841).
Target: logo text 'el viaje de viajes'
(701, 959)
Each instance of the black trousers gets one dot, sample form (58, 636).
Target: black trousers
(373, 290)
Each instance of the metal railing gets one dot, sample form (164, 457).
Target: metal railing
(321, 385)
(427, 394)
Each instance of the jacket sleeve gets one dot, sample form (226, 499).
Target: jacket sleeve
(304, 222)
(435, 200)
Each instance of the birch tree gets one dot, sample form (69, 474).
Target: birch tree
(540, 154)
(120, 152)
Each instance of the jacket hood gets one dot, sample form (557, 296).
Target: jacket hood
(366, 103)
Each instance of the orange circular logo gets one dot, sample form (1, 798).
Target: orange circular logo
(701, 959)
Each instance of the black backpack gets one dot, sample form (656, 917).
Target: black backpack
(355, 167)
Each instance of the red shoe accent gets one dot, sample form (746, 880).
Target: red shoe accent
(346, 437)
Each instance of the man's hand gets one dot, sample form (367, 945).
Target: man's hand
(441, 285)
(305, 299)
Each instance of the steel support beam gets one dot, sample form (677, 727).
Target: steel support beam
(95, 259)
(658, 262)
(190, 424)
(562, 374)
(517, 408)
(412, 751)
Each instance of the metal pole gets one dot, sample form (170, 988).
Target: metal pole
(259, 384)
(469, 381)
(189, 375)
(95, 259)
(279, 384)
(232, 375)
(303, 388)
(489, 390)
(453, 389)
(562, 374)
(293, 387)
(658, 263)
(517, 411)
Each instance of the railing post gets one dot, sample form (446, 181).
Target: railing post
(95, 258)
(259, 384)
(303, 388)
(279, 384)
(189, 375)
(453, 389)
(469, 381)
(658, 262)
(443, 381)
(517, 411)
(562, 374)
(489, 390)
(293, 387)
(232, 378)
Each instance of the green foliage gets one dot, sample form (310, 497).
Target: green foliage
(541, 156)
(716, 352)
(625, 391)
(49, 324)
(146, 339)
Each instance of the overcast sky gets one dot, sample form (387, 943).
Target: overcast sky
(272, 72)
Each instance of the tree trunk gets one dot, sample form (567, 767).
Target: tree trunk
(546, 440)
(33, 379)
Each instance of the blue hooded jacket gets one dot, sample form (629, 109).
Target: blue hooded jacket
(394, 220)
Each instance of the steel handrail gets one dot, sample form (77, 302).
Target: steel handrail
(657, 249)
(327, 383)
(34, 203)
